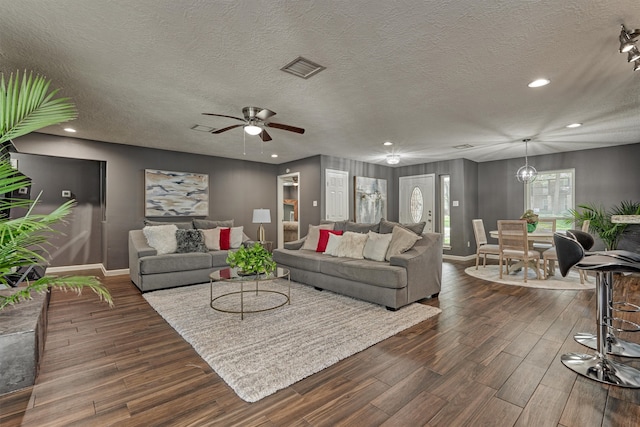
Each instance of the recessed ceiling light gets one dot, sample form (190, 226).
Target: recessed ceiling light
(388, 143)
(71, 130)
(574, 125)
(274, 155)
(539, 83)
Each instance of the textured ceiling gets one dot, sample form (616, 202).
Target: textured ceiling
(425, 75)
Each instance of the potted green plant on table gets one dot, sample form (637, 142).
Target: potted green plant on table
(600, 220)
(532, 220)
(27, 105)
(252, 260)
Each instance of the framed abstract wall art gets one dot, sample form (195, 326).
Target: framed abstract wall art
(370, 199)
(175, 193)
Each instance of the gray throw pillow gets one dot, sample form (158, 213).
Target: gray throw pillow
(190, 241)
(337, 225)
(387, 226)
(357, 227)
(205, 224)
(180, 225)
(401, 241)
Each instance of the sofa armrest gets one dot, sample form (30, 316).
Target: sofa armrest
(295, 244)
(138, 245)
(424, 266)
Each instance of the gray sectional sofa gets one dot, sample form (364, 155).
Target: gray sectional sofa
(150, 271)
(411, 276)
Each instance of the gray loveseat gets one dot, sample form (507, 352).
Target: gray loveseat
(411, 276)
(150, 271)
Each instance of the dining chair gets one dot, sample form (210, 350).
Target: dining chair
(585, 225)
(482, 246)
(546, 225)
(512, 238)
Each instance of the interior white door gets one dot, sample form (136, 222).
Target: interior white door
(417, 200)
(336, 195)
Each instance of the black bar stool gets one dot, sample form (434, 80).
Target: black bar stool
(597, 366)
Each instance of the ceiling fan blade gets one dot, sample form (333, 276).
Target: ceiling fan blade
(285, 127)
(265, 136)
(222, 115)
(225, 129)
(264, 114)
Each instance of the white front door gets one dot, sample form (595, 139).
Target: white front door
(336, 195)
(417, 201)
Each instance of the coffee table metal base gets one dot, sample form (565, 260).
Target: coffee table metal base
(242, 311)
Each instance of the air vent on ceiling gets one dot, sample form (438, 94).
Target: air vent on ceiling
(302, 67)
(463, 146)
(202, 128)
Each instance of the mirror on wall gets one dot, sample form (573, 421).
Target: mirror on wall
(288, 212)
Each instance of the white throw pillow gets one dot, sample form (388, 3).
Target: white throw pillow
(313, 235)
(236, 237)
(162, 238)
(332, 244)
(352, 245)
(376, 246)
(212, 238)
(401, 241)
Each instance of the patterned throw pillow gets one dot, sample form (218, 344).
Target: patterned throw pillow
(190, 241)
(161, 237)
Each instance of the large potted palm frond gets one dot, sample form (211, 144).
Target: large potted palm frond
(600, 222)
(26, 105)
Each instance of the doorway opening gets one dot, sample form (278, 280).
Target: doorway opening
(288, 208)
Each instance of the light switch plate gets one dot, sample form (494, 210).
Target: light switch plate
(66, 193)
(456, 203)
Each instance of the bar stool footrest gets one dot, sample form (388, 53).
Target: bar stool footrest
(625, 307)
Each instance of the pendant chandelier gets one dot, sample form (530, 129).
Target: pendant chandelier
(526, 173)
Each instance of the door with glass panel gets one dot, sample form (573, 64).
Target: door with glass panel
(417, 200)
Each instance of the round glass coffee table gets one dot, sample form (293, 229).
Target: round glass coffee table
(231, 275)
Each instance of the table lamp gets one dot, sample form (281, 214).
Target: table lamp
(261, 216)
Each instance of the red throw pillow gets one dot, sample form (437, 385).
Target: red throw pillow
(324, 239)
(225, 238)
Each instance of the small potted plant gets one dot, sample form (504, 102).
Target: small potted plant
(532, 220)
(252, 260)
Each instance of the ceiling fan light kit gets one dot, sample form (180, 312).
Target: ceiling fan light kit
(628, 41)
(252, 129)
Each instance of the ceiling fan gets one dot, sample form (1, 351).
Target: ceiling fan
(255, 122)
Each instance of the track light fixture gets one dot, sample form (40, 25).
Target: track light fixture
(628, 41)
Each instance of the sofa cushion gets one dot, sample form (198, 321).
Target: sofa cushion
(208, 223)
(236, 237)
(352, 245)
(333, 244)
(376, 246)
(212, 238)
(174, 262)
(162, 238)
(366, 271)
(356, 227)
(337, 225)
(401, 241)
(219, 258)
(324, 239)
(303, 260)
(180, 225)
(387, 226)
(313, 235)
(190, 241)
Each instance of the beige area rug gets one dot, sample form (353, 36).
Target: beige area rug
(491, 273)
(271, 350)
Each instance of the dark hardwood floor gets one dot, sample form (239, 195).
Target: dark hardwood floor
(491, 358)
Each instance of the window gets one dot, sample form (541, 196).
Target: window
(445, 214)
(551, 195)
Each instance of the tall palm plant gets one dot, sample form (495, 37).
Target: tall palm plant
(600, 220)
(27, 105)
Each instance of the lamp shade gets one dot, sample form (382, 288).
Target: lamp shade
(261, 216)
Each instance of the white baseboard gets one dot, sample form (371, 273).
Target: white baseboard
(459, 258)
(72, 268)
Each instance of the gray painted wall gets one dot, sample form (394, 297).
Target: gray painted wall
(236, 187)
(604, 175)
(81, 242)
